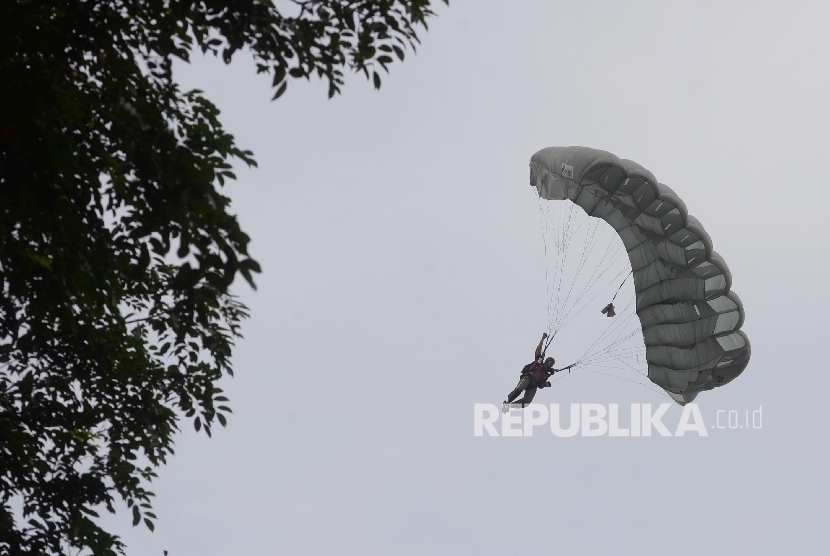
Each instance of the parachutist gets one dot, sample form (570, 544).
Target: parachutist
(533, 376)
(689, 318)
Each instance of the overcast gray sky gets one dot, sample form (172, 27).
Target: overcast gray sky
(403, 281)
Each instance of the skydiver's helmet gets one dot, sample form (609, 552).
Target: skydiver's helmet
(549, 362)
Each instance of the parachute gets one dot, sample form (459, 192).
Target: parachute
(689, 318)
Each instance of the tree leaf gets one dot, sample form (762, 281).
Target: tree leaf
(280, 91)
(89, 511)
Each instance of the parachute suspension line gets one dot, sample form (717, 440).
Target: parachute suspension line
(605, 357)
(587, 303)
(553, 284)
(628, 380)
(595, 277)
(616, 325)
(561, 232)
(630, 317)
(562, 258)
(566, 229)
(545, 244)
(563, 223)
(592, 280)
(618, 359)
(621, 327)
(607, 362)
(621, 285)
(608, 353)
(551, 226)
(555, 227)
(601, 358)
(590, 243)
(589, 366)
(547, 343)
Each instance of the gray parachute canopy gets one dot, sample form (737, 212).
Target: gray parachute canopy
(689, 317)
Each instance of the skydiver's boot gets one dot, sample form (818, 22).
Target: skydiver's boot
(507, 406)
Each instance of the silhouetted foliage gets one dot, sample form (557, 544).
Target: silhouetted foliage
(117, 250)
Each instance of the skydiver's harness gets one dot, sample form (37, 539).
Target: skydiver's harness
(539, 374)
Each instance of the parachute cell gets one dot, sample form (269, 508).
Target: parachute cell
(690, 319)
